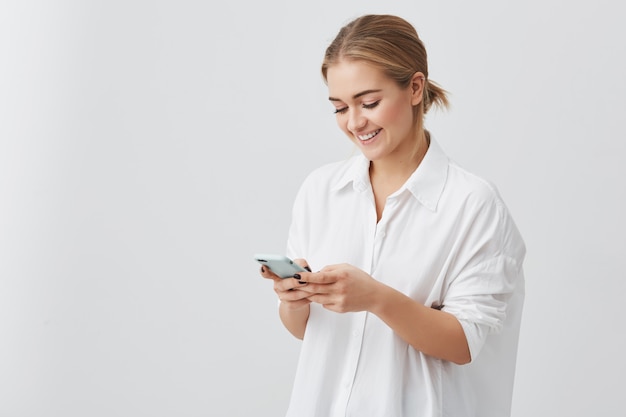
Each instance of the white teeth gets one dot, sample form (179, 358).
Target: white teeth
(368, 136)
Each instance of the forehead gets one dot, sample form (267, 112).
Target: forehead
(347, 78)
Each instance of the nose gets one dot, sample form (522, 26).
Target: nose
(356, 121)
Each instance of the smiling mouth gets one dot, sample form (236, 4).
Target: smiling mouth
(369, 136)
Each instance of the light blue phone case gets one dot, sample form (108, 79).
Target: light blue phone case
(279, 264)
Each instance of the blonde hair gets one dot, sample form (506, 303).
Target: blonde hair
(391, 44)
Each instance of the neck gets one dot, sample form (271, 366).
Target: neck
(400, 165)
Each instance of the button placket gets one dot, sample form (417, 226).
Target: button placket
(354, 353)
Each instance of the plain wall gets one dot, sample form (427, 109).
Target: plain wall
(149, 148)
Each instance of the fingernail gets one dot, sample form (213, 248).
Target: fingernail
(262, 269)
(307, 268)
(299, 278)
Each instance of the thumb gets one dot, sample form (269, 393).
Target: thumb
(303, 263)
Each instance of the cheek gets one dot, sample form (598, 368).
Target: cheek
(399, 116)
(342, 122)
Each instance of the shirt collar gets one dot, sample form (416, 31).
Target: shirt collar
(426, 183)
(357, 173)
(429, 179)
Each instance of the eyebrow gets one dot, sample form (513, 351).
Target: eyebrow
(357, 95)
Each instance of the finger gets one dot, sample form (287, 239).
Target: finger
(286, 284)
(292, 296)
(267, 273)
(332, 268)
(313, 288)
(322, 277)
(303, 263)
(323, 299)
(300, 279)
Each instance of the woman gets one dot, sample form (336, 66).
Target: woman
(415, 308)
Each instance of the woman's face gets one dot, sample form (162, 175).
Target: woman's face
(372, 110)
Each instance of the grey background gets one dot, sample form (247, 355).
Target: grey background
(149, 148)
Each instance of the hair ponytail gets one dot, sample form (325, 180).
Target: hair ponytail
(434, 94)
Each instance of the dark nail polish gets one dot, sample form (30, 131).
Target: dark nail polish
(307, 268)
(262, 269)
(299, 278)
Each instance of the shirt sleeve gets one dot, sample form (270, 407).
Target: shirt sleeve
(297, 235)
(490, 272)
(479, 299)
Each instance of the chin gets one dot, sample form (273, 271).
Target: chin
(372, 156)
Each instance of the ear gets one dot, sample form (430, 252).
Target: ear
(418, 83)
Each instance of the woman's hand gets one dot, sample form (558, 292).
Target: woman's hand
(288, 289)
(294, 305)
(341, 288)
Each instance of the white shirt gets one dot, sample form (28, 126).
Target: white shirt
(445, 237)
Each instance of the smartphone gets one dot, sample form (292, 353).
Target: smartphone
(279, 264)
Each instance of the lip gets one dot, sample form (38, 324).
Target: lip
(369, 136)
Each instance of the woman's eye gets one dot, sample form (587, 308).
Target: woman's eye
(341, 110)
(371, 105)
